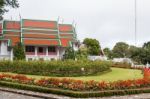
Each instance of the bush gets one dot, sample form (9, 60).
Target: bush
(77, 94)
(121, 65)
(55, 68)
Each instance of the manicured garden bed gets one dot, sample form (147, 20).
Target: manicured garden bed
(56, 68)
(76, 88)
(114, 75)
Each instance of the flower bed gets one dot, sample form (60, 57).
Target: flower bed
(77, 85)
(55, 68)
(76, 88)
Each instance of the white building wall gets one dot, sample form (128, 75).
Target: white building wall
(4, 53)
(59, 55)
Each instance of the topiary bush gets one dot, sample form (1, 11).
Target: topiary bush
(56, 68)
(121, 65)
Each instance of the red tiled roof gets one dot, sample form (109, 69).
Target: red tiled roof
(40, 42)
(40, 36)
(65, 42)
(11, 33)
(14, 25)
(65, 28)
(14, 39)
(39, 31)
(39, 24)
(66, 35)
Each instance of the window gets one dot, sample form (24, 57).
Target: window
(41, 50)
(30, 48)
(51, 49)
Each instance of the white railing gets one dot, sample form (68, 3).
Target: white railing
(5, 57)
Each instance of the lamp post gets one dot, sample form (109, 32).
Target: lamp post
(135, 21)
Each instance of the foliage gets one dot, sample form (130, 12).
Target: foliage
(92, 45)
(55, 68)
(18, 51)
(120, 50)
(82, 53)
(146, 45)
(140, 55)
(134, 53)
(145, 56)
(69, 53)
(108, 53)
(121, 65)
(76, 88)
(7, 3)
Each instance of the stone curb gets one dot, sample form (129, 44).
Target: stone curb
(33, 94)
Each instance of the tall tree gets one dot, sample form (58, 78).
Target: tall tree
(7, 3)
(82, 53)
(108, 53)
(19, 52)
(93, 46)
(135, 54)
(120, 50)
(146, 45)
(69, 53)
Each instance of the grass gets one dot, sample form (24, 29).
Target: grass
(116, 74)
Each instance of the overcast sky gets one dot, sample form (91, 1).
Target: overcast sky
(109, 21)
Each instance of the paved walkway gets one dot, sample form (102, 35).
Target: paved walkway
(7, 93)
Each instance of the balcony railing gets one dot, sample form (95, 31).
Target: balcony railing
(30, 53)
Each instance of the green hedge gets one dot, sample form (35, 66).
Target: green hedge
(55, 68)
(121, 65)
(77, 94)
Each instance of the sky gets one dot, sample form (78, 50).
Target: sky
(108, 21)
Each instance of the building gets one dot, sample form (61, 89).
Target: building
(126, 60)
(42, 39)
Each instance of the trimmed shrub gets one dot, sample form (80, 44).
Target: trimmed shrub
(55, 68)
(77, 94)
(121, 65)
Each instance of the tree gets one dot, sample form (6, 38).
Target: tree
(146, 45)
(7, 3)
(135, 54)
(92, 45)
(82, 53)
(120, 50)
(19, 53)
(108, 53)
(69, 53)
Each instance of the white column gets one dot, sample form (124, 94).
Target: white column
(11, 54)
(46, 51)
(0, 48)
(58, 56)
(4, 48)
(36, 51)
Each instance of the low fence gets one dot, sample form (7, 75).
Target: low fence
(5, 57)
(97, 58)
(138, 66)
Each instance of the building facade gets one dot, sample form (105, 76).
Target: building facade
(42, 39)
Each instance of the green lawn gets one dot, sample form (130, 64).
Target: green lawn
(116, 74)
